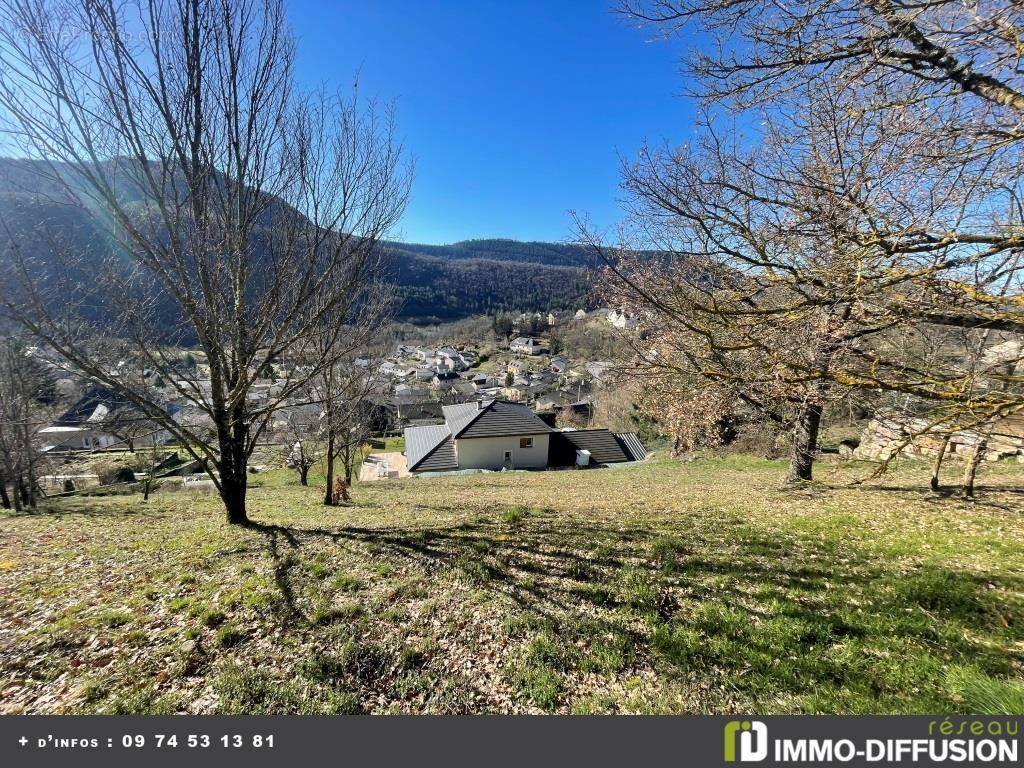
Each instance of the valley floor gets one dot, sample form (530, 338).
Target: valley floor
(701, 587)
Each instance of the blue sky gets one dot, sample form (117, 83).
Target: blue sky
(514, 111)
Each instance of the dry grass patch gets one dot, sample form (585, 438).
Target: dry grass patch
(703, 587)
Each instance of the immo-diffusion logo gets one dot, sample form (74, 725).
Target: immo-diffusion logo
(752, 737)
(971, 741)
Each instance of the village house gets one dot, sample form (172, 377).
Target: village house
(526, 345)
(550, 402)
(517, 368)
(421, 353)
(391, 370)
(415, 406)
(444, 379)
(621, 319)
(94, 423)
(483, 381)
(496, 435)
(451, 358)
(559, 364)
(517, 392)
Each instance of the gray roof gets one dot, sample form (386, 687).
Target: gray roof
(459, 416)
(430, 448)
(493, 418)
(603, 447)
(629, 441)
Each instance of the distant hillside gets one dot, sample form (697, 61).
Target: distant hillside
(446, 282)
(433, 282)
(500, 249)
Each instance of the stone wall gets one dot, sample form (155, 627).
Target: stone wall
(887, 430)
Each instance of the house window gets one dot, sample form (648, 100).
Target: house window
(526, 442)
(508, 457)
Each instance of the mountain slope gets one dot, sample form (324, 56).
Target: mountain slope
(432, 282)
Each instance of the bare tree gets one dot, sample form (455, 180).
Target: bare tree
(345, 388)
(301, 448)
(242, 215)
(862, 232)
(22, 388)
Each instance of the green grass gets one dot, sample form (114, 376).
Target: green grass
(703, 587)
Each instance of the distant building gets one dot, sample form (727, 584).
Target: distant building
(449, 357)
(483, 381)
(391, 370)
(444, 379)
(622, 319)
(496, 434)
(94, 422)
(526, 345)
(580, 314)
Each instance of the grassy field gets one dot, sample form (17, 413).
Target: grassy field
(702, 587)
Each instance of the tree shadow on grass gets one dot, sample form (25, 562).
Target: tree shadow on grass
(762, 608)
(83, 507)
(995, 497)
(760, 615)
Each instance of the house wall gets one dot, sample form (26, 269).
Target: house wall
(84, 440)
(489, 452)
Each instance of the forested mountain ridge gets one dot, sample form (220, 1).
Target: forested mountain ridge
(502, 249)
(432, 282)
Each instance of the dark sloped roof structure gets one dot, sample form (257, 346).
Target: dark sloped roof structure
(492, 418)
(603, 447)
(87, 404)
(631, 444)
(430, 449)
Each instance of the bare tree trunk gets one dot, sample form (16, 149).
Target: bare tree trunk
(972, 467)
(303, 473)
(20, 493)
(149, 475)
(937, 466)
(16, 493)
(329, 485)
(347, 456)
(232, 468)
(805, 444)
(5, 500)
(232, 493)
(32, 482)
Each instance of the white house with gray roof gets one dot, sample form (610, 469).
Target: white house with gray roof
(489, 434)
(497, 434)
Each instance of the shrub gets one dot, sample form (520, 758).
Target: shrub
(110, 472)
